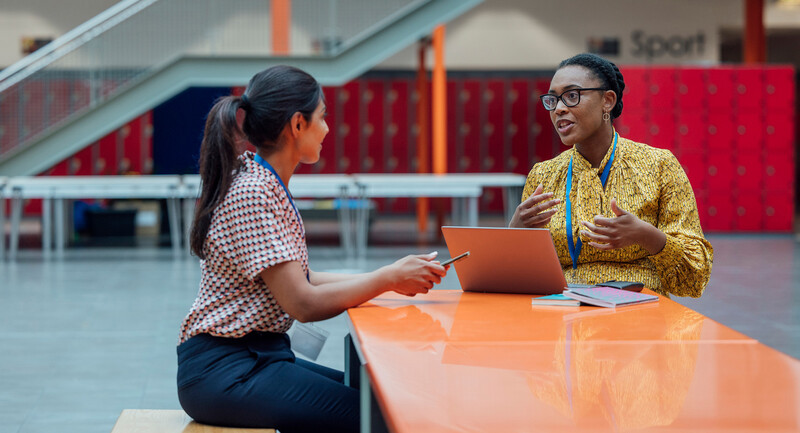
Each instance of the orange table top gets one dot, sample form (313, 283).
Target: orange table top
(451, 361)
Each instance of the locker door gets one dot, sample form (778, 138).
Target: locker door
(749, 88)
(692, 93)
(636, 95)
(720, 89)
(662, 89)
(518, 129)
(347, 149)
(749, 211)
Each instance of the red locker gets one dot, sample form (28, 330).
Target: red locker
(397, 157)
(58, 97)
(636, 95)
(778, 172)
(636, 126)
(498, 148)
(692, 131)
(721, 131)
(779, 88)
(749, 88)
(80, 96)
(749, 131)
(146, 120)
(719, 212)
(692, 94)
(403, 144)
(546, 141)
(374, 128)
(720, 89)
(471, 128)
(455, 122)
(347, 148)
(702, 208)
(749, 171)
(779, 211)
(662, 89)
(662, 130)
(749, 211)
(518, 129)
(779, 131)
(696, 168)
(105, 160)
(496, 152)
(60, 169)
(9, 132)
(136, 139)
(327, 156)
(720, 172)
(32, 96)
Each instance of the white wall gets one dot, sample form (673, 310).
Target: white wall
(41, 18)
(498, 34)
(538, 34)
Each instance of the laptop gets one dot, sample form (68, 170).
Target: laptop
(505, 260)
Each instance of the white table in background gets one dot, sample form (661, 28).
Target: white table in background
(314, 186)
(464, 188)
(54, 190)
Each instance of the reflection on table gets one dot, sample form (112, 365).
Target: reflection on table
(452, 361)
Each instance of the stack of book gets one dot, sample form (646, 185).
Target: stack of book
(598, 296)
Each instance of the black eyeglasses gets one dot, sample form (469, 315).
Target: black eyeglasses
(570, 98)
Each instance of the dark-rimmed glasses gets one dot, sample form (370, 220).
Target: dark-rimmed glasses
(570, 98)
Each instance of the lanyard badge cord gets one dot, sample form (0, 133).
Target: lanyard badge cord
(575, 248)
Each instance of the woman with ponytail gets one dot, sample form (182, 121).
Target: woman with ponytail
(617, 209)
(235, 364)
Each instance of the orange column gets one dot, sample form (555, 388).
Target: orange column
(423, 132)
(439, 103)
(755, 46)
(281, 13)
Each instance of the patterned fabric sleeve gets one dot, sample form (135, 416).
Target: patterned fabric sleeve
(684, 265)
(260, 230)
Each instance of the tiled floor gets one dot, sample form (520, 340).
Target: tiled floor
(94, 333)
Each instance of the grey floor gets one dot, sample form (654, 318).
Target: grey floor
(83, 337)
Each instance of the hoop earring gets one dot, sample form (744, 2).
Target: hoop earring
(606, 117)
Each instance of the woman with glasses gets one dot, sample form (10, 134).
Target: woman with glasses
(617, 209)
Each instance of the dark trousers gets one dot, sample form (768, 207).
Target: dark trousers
(255, 381)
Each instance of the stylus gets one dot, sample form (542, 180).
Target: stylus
(453, 259)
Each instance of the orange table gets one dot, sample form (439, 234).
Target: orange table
(451, 361)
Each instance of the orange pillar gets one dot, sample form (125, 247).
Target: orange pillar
(423, 132)
(439, 127)
(281, 13)
(439, 103)
(755, 45)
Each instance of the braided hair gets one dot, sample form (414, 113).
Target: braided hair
(607, 72)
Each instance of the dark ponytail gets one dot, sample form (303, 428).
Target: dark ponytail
(218, 163)
(607, 72)
(272, 97)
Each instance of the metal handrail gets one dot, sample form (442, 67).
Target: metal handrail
(134, 39)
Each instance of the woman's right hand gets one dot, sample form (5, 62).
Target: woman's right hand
(536, 211)
(415, 274)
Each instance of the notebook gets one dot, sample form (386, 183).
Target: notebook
(557, 299)
(609, 296)
(505, 260)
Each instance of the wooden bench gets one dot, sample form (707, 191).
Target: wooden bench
(170, 421)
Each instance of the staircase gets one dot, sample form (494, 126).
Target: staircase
(140, 53)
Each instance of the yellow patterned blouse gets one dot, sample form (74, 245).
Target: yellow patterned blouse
(647, 182)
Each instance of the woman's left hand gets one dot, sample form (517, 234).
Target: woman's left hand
(623, 230)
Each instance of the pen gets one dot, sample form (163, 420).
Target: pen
(453, 259)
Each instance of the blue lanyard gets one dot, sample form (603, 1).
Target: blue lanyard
(575, 250)
(267, 165)
(257, 158)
